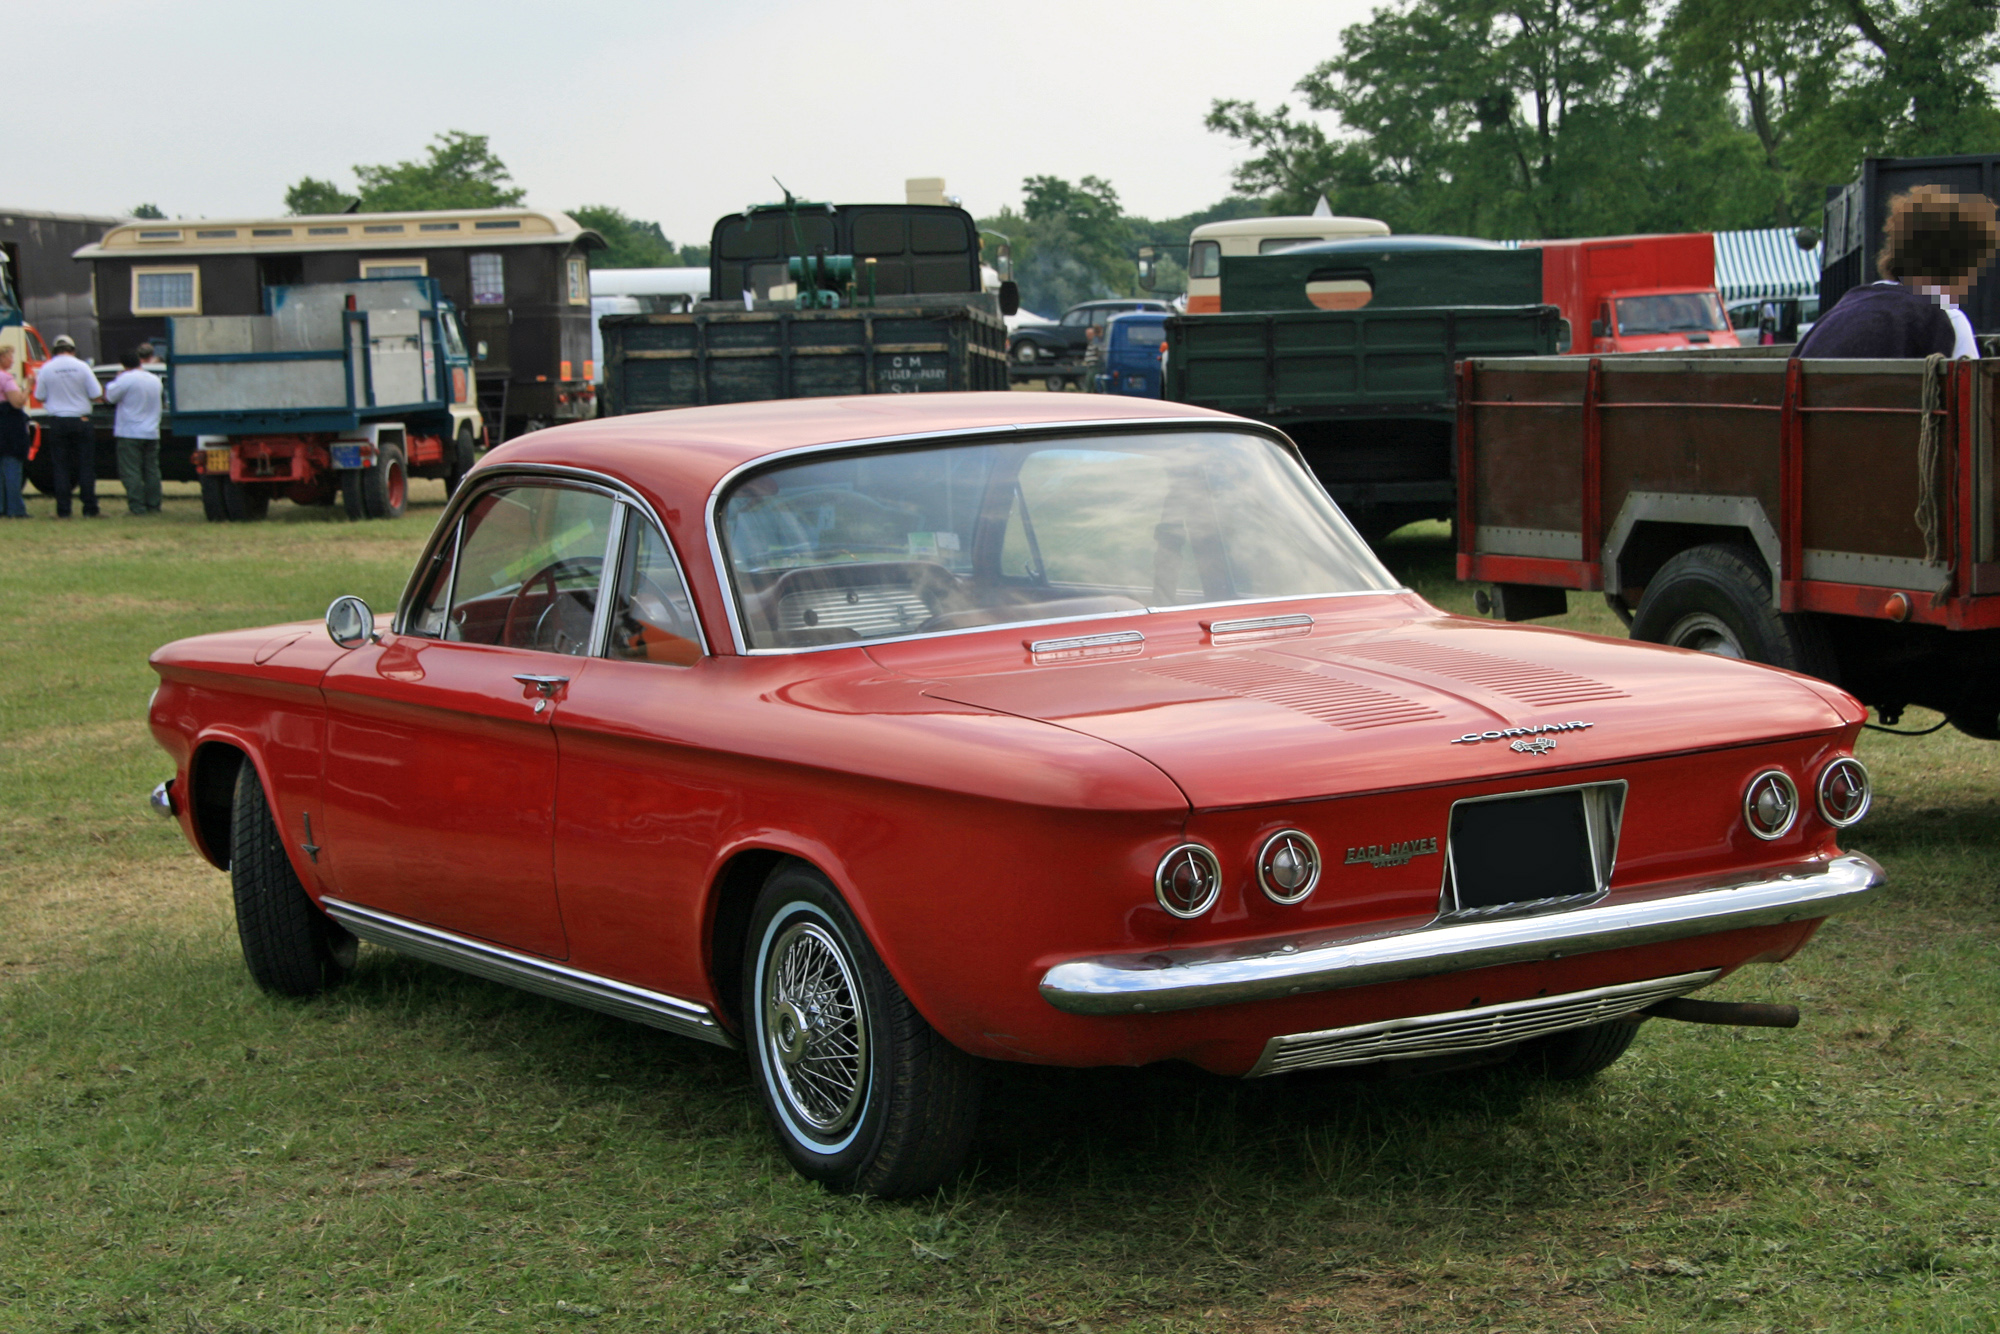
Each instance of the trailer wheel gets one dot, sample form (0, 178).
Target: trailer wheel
(240, 504)
(1717, 599)
(212, 507)
(385, 488)
(463, 448)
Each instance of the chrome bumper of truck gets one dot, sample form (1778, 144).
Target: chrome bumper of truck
(1161, 980)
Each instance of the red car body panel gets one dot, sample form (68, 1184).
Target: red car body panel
(989, 812)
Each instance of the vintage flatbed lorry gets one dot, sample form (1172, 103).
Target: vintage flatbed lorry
(1348, 347)
(1839, 518)
(810, 300)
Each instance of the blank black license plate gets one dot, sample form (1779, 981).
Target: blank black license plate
(1519, 849)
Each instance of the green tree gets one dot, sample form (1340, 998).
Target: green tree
(147, 211)
(310, 195)
(630, 243)
(459, 171)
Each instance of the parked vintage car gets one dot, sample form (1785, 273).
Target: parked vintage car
(882, 734)
(1055, 352)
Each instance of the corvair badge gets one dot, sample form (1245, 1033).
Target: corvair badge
(1391, 854)
(1534, 740)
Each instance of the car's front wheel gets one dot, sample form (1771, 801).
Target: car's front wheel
(865, 1096)
(292, 948)
(1025, 353)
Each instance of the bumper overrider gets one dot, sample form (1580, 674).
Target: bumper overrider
(1275, 967)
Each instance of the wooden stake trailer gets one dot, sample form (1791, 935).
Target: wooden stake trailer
(1792, 512)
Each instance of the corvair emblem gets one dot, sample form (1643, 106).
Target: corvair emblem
(1533, 740)
(1391, 854)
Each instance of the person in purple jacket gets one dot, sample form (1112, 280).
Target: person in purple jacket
(1934, 247)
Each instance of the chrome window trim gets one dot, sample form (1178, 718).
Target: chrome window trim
(1113, 426)
(485, 481)
(1276, 966)
(1601, 866)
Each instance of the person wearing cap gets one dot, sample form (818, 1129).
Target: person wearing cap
(136, 430)
(67, 387)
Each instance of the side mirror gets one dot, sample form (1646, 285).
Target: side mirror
(482, 349)
(1010, 297)
(1564, 335)
(1597, 329)
(350, 623)
(1149, 267)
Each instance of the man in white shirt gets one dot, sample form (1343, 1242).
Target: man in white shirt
(136, 429)
(67, 388)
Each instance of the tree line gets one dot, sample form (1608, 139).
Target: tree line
(1550, 118)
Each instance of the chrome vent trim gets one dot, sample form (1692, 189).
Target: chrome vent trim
(541, 976)
(1459, 1031)
(1297, 620)
(1087, 641)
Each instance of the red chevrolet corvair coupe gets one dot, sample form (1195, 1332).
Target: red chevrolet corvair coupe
(878, 734)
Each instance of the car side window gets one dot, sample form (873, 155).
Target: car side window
(1076, 318)
(652, 618)
(529, 562)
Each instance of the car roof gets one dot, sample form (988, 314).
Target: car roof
(682, 453)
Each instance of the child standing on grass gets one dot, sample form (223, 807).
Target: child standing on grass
(13, 438)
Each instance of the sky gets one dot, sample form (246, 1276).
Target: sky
(672, 111)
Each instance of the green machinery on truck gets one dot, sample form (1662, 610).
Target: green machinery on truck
(807, 300)
(1349, 347)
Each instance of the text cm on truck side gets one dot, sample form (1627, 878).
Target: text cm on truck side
(1840, 518)
(341, 391)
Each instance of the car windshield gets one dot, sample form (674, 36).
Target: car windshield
(888, 545)
(1674, 312)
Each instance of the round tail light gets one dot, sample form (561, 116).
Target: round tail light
(1771, 804)
(1188, 881)
(1844, 792)
(1288, 866)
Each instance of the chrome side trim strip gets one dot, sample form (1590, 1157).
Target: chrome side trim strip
(1456, 1031)
(1105, 640)
(541, 976)
(1292, 965)
(1294, 621)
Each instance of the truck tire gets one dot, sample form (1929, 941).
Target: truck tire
(240, 504)
(1717, 599)
(292, 948)
(463, 449)
(385, 488)
(212, 507)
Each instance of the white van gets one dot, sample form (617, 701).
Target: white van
(1208, 243)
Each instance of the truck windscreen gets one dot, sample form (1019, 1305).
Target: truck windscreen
(1672, 312)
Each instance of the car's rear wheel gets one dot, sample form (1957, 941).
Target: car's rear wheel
(1717, 599)
(292, 948)
(1577, 1053)
(864, 1095)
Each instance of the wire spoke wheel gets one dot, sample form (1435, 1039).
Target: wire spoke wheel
(814, 1028)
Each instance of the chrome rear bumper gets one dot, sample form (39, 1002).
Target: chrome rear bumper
(1293, 965)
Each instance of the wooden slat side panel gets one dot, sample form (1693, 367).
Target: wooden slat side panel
(1681, 451)
(1527, 460)
(1861, 483)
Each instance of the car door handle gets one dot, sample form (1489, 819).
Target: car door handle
(545, 686)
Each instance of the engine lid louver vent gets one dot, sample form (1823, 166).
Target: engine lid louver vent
(1337, 702)
(1531, 683)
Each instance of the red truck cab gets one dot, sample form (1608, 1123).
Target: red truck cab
(1636, 293)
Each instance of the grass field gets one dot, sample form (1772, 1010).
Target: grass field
(425, 1151)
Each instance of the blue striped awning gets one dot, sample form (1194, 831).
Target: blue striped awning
(1766, 262)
